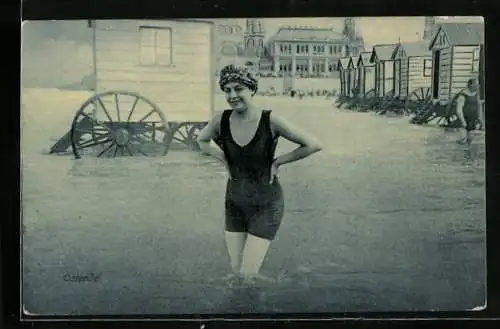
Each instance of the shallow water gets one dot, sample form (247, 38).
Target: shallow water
(388, 217)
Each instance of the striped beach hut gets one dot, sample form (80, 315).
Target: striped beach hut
(342, 67)
(415, 70)
(366, 72)
(383, 58)
(353, 81)
(457, 55)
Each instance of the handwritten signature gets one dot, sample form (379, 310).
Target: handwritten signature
(79, 277)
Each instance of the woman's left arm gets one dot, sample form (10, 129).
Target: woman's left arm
(307, 144)
(480, 109)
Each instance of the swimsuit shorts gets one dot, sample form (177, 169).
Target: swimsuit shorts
(257, 211)
(471, 121)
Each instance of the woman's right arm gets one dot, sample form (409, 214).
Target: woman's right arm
(206, 136)
(459, 110)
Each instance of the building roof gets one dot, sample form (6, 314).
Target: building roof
(306, 34)
(353, 61)
(416, 49)
(364, 58)
(343, 63)
(383, 52)
(461, 34)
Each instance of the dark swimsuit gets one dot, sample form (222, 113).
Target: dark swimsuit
(470, 112)
(253, 205)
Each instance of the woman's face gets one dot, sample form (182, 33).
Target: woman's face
(238, 96)
(473, 85)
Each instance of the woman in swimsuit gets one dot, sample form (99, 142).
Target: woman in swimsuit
(247, 137)
(469, 110)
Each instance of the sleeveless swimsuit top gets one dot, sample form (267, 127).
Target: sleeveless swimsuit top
(470, 104)
(250, 165)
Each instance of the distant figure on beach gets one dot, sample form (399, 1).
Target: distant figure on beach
(469, 111)
(247, 137)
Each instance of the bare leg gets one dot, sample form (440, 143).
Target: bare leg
(235, 243)
(463, 136)
(469, 137)
(253, 255)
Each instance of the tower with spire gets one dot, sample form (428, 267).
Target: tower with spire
(354, 42)
(349, 30)
(254, 37)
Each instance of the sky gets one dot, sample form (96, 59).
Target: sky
(64, 47)
(375, 30)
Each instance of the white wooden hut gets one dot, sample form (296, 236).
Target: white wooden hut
(383, 58)
(170, 62)
(458, 55)
(366, 73)
(416, 67)
(352, 67)
(342, 67)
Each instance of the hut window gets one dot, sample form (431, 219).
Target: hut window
(427, 67)
(475, 60)
(155, 45)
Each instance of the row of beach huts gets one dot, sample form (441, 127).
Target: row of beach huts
(420, 78)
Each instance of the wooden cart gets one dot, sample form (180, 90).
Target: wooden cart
(457, 55)
(415, 73)
(154, 88)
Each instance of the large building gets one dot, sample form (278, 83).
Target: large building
(297, 51)
(313, 51)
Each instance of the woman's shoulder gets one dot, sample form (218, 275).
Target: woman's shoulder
(219, 114)
(273, 116)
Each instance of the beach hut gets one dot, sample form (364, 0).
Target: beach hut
(383, 58)
(457, 55)
(366, 73)
(415, 72)
(352, 68)
(342, 67)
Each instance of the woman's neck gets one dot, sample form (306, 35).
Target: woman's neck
(470, 92)
(250, 114)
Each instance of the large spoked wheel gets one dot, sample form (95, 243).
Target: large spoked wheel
(419, 98)
(119, 123)
(448, 117)
(184, 135)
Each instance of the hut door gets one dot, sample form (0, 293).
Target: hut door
(348, 82)
(361, 80)
(341, 75)
(435, 75)
(397, 76)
